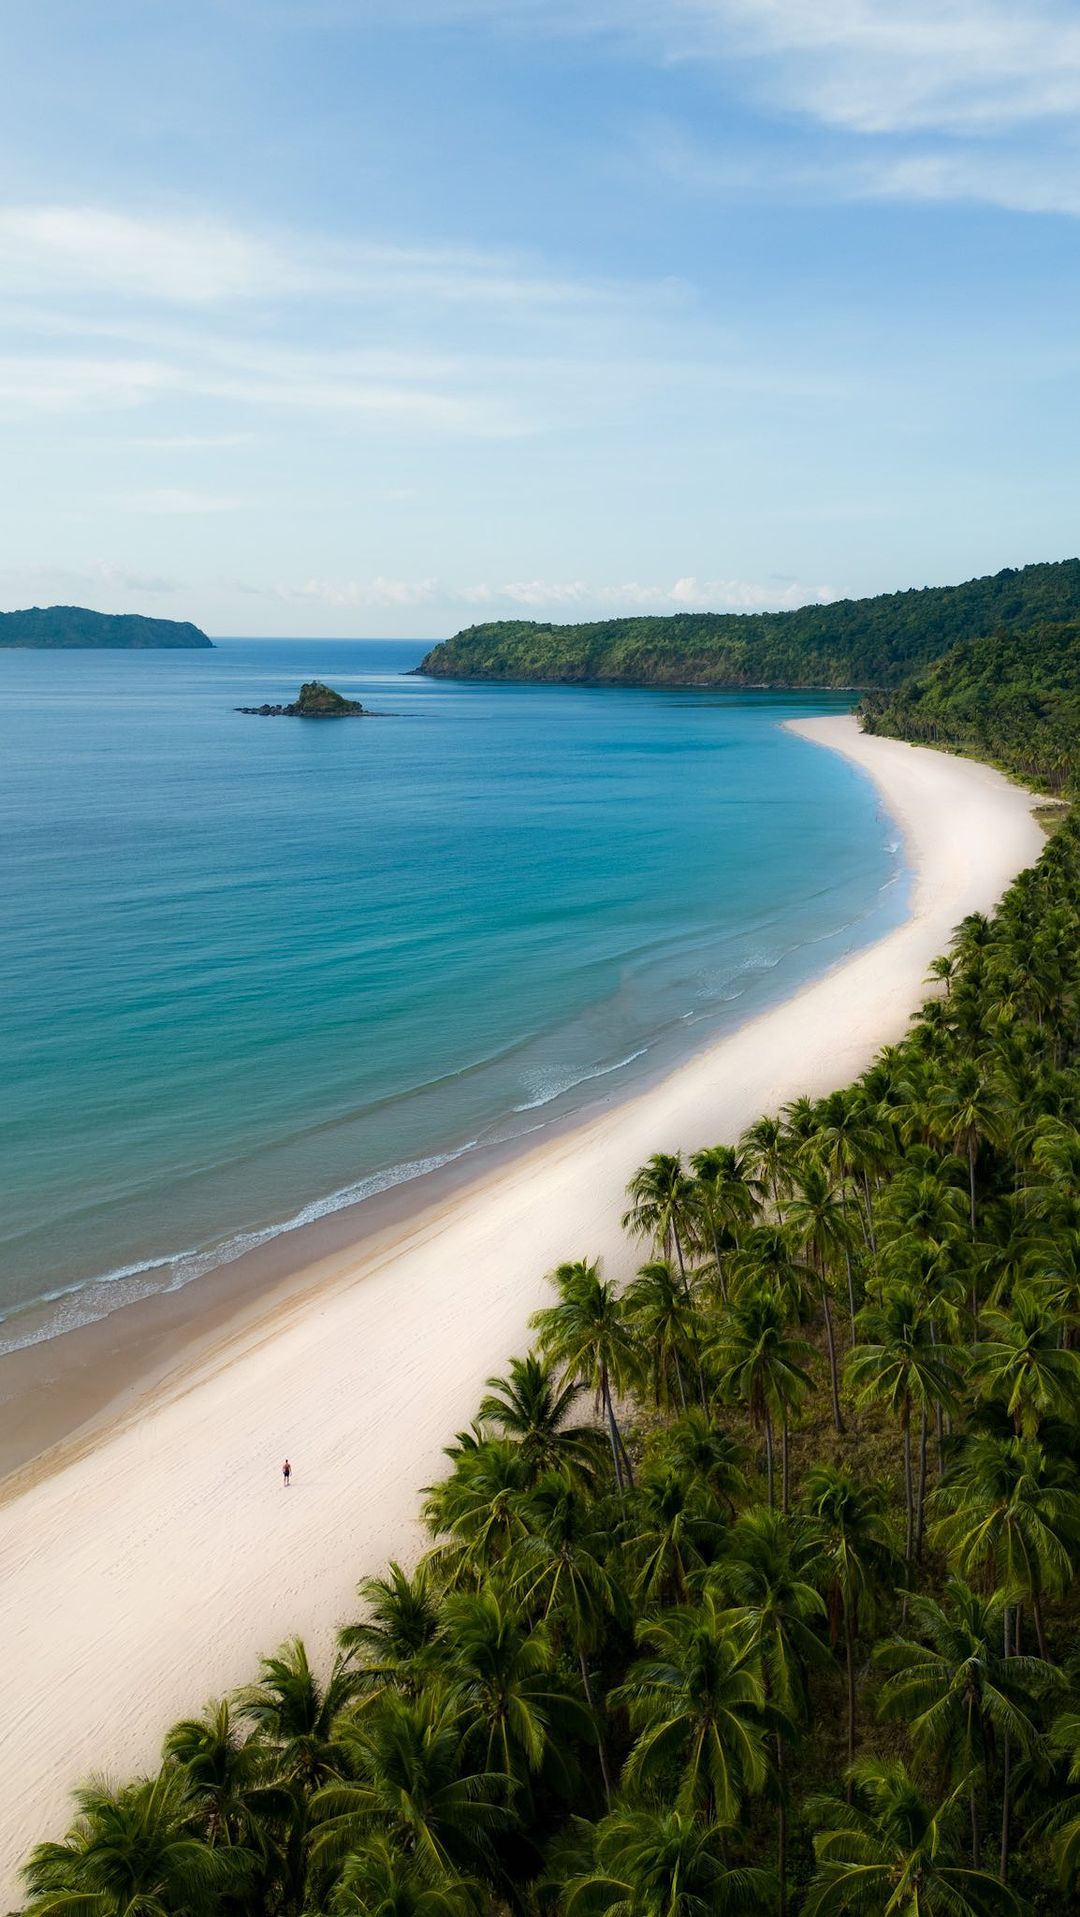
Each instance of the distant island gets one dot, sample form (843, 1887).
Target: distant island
(851, 645)
(77, 628)
(315, 701)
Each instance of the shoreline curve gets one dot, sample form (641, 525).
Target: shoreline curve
(151, 1560)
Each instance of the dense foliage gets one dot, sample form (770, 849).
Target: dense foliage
(77, 628)
(753, 1588)
(1013, 697)
(853, 643)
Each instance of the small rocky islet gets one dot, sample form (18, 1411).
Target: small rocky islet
(315, 701)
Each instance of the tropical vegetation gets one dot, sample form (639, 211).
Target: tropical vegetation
(754, 1586)
(859, 643)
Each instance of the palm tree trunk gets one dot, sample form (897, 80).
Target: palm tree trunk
(869, 1212)
(769, 1455)
(613, 1429)
(600, 1746)
(909, 1499)
(1003, 1863)
(678, 1378)
(850, 1289)
(1037, 1614)
(831, 1342)
(784, 1465)
(849, 1651)
(971, 1177)
(976, 1844)
(920, 1496)
(781, 1829)
(719, 1267)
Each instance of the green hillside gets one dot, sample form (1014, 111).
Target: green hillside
(1013, 697)
(860, 643)
(77, 628)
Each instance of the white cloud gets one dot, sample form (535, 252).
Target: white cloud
(1045, 180)
(32, 383)
(688, 593)
(173, 501)
(883, 65)
(38, 581)
(190, 442)
(175, 259)
(868, 65)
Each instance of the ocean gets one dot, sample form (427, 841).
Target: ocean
(254, 969)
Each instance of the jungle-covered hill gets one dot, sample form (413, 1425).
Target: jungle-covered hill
(1012, 696)
(859, 643)
(78, 628)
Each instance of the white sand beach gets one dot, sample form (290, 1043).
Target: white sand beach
(146, 1571)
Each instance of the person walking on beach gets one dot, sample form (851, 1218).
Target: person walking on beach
(286, 1473)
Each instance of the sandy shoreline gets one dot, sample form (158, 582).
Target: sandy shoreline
(149, 1570)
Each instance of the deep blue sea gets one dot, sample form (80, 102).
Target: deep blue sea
(254, 969)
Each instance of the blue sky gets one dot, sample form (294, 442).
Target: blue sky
(346, 317)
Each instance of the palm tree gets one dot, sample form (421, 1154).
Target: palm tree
(763, 1152)
(817, 1215)
(957, 1691)
(697, 1706)
(901, 1364)
(587, 1337)
(765, 1257)
(697, 1447)
(1062, 1821)
(657, 1313)
(943, 968)
(886, 1851)
(239, 1800)
(379, 1880)
(519, 1715)
(858, 1559)
(297, 1716)
(673, 1529)
(664, 1207)
(967, 1112)
(1022, 1362)
(662, 1863)
(135, 1852)
(766, 1575)
(1009, 1515)
(558, 1573)
(392, 1645)
(476, 1513)
(759, 1366)
(726, 1202)
(852, 1143)
(409, 1780)
(532, 1408)
(299, 1720)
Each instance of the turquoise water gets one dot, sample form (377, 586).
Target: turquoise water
(256, 968)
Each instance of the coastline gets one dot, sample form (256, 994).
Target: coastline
(153, 1557)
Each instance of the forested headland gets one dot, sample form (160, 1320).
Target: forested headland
(79, 629)
(853, 643)
(753, 1587)
(1013, 698)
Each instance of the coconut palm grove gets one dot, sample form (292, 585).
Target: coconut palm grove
(753, 1587)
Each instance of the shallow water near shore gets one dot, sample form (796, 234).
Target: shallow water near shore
(257, 968)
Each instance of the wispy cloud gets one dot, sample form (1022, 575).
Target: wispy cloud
(870, 65)
(1040, 181)
(164, 258)
(179, 501)
(995, 83)
(35, 383)
(688, 593)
